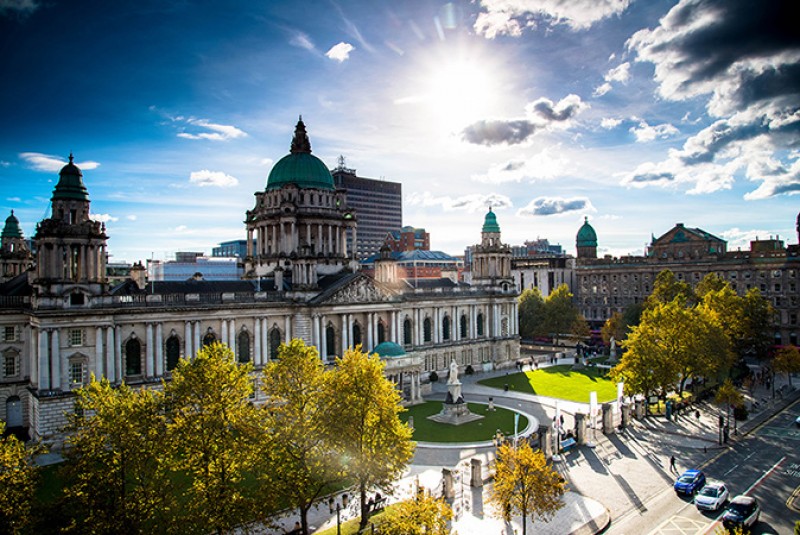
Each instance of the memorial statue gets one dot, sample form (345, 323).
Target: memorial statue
(453, 373)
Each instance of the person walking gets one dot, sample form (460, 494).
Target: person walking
(672, 464)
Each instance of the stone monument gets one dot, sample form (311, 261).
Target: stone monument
(454, 408)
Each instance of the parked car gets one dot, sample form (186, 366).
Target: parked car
(690, 482)
(797, 421)
(712, 496)
(743, 511)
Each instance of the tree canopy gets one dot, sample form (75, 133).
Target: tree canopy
(17, 481)
(524, 484)
(555, 316)
(421, 515)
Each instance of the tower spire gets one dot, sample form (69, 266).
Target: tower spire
(300, 142)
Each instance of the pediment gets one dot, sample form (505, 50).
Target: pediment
(362, 289)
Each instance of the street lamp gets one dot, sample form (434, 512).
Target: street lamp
(338, 519)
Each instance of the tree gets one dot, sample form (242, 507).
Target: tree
(667, 287)
(524, 484)
(562, 316)
(17, 482)
(117, 471)
(786, 360)
(620, 323)
(728, 397)
(363, 408)
(756, 338)
(421, 515)
(302, 463)
(213, 431)
(531, 314)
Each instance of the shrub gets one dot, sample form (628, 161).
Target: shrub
(434, 377)
(740, 412)
(469, 370)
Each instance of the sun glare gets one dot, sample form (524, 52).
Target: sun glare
(459, 92)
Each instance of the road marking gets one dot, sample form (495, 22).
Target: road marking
(735, 466)
(792, 498)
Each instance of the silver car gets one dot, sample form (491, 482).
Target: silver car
(712, 496)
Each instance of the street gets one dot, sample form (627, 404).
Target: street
(765, 464)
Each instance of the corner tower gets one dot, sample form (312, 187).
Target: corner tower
(586, 241)
(491, 260)
(70, 247)
(15, 256)
(300, 222)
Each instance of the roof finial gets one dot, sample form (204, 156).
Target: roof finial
(70, 156)
(300, 142)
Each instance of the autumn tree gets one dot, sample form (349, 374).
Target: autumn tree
(17, 482)
(562, 315)
(420, 515)
(531, 314)
(525, 485)
(728, 396)
(363, 408)
(756, 337)
(118, 479)
(667, 288)
(213, 431)
(302, 463)
(786, 360)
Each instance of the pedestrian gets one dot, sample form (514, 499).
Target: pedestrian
(672, 464)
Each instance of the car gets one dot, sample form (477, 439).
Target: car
(712, 496)
(690, 482)
(742, 512)
(797, 421)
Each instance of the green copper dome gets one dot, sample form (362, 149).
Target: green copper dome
(389, 349)
(490, 222)
(587, 237)
(12, 230)
(70, 184)
(299, 167)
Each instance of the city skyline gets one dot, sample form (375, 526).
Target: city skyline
(610, 110)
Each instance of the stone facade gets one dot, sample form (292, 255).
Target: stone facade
(301, 282)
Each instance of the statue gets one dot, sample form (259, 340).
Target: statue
(453, 379)
(613, 351)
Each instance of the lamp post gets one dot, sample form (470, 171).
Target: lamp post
(338, 519)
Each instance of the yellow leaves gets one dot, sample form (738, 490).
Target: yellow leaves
(421, 515)
(17, 477)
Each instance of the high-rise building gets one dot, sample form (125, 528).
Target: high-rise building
(378, 205)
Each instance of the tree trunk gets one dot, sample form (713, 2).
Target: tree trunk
(362, 494)
(304, 519)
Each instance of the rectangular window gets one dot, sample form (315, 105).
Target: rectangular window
(10, 334)
(76, 337)
(10, 366)
(76, 373)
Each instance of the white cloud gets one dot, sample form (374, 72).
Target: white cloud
(4, 163)
(48, 163)
(212, 178)
(14, 199)
(266, 161)
(547, 164)
(601, 89)
(181, 228)
(217, 132)
(608, 123)
(645, 132)
(544, 206)
(471, 203)
(340, 52)
(621, 73)
(509, 17)
(103, 218)
(131, 217)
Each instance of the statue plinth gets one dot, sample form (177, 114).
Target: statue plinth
(454, 408)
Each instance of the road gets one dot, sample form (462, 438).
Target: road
(765, 465)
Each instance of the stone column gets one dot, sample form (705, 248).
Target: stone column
(55, 361)
(449, 488)
(111, 365)
(99, 352)
(287, 329)
(546, 441)
(112, 341)
(608, 419)
(159, 350)
(580, 428)
(265, 356)
(187, 339)
(224, 333)
(345, 333)
(257, 356)
(232, 337)
(196, 342)
(149, 357)
(315, 331)
(370, 339)
(323, 351)
(44, 360)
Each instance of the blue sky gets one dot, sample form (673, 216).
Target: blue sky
(637, 114)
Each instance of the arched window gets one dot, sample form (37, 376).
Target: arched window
(381, 332)
(356, 334)
(133, 357)
(209, 338)
(446, 328)
(173, 352)
(274, 342)
(427, 331)
(330, 342)
(243, 347)
(464, 327)
(407, 332)
(480, 324)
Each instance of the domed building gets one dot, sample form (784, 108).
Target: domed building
(63, 321)
(15, 255)
(586, 241)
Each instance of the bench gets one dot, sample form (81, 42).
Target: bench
(567, 444)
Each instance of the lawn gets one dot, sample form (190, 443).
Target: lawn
(480, 430)
(561, 382)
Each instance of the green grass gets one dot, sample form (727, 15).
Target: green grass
(350, 527)
(426, 430)
(561, 382)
